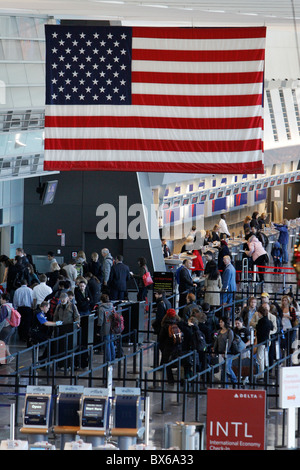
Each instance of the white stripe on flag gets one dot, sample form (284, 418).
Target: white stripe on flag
(153, 111)
(157, 134)
(168, 157)
(198, 44)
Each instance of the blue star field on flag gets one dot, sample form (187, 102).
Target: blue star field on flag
(88, 66)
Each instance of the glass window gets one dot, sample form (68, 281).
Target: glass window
(12, 49)
(37, 96)
(30, 50)
(40, 27)
(26, 27)
(42, 50)
(6, 193)
(8, 26)
(21, 97)
(8, 104)
(35, 73)
(16, 74)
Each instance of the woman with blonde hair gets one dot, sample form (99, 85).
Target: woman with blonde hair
(53, 275)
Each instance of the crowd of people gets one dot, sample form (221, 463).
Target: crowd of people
(213, 334)
(63, 294)
(254, 249)
(267, 319)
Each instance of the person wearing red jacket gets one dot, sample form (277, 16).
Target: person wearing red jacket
(198, 266)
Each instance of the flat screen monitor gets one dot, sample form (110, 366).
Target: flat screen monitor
(185, 201)
(220, 194)
(49, 192)
(235, 190)
(212, 196)
(228, 192)
(194, 199)
(203, 198)
(251, 187)
(93, 412)
(36, 410)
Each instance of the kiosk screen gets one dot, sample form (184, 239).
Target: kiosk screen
(93, 414)
(36, 411)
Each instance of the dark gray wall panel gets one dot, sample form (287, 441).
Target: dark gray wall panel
(74, 211)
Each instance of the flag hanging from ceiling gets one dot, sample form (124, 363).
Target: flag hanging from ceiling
(183, 100)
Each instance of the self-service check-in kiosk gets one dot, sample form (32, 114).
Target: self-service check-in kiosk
(68, 407)
(37, 413)
(94, 415)
(127, 416)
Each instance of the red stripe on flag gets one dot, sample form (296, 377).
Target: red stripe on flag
(199, 33)
(198, 56)
(195, 101)
(197, 78)
(153, 122)
(154, 145)
(225, 168)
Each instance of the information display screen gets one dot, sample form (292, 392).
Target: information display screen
(93, 412)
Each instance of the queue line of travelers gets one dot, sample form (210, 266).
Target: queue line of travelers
(63, 294)
(211, 333)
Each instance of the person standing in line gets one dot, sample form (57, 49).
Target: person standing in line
(228, 281)
(142, 289)
(106, 268)
(41, 291)
(119, 277)
(222, 346)
(6, 329)
(283, 239)
(263, 329)
(186, 283)
(83, 298)
(258, 254)
(23, 302)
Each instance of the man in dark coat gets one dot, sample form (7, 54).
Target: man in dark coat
(186, 283)
(119, 276)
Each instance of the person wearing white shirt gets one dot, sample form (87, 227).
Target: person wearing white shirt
(71, 272)
(223, 229)
(41, 291)
(23, 301)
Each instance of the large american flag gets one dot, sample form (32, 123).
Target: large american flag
(184, 100)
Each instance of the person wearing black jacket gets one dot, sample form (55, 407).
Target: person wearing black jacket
(166, 344)
(186, 283)
(119, 277)
(162, 305)
(94, 266)
(263, 328)
(210, 263)
(94, 286)
(83, 298)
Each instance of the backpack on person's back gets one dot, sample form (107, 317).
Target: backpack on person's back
(117, 323)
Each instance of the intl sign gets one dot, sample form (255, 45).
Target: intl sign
(235, 419)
